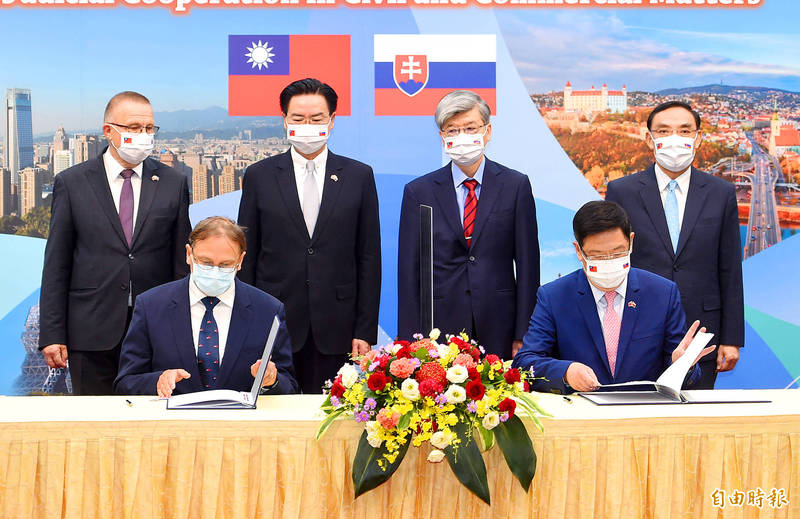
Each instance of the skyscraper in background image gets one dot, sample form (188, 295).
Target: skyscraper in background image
(19, 132)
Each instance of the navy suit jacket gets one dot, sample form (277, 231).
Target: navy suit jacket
(160, 338)
(708, 263)
(565, 328)
(476, 284)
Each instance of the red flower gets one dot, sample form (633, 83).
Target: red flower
(432, 371)
(383, 361)
(527, 387)
(475, 389)
(404, 353)
(337, 389)
(402, 343)
(377, 381)
(512, 375)
(507, 405)
(461, 343)
(492, 358)
(473, 374)
(430, 388)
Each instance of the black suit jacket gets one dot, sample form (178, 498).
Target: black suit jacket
(330, 282)
(476, 284)
(707, 265)
(88, 266)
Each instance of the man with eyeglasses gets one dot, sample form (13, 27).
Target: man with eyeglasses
(312, 223)
(206, 331)
(485, 240)
(687, 230)
(118, 228)
(607, 322)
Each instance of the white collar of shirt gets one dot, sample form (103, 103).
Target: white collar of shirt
(114, 168)
(683, 180)
(600, 295)
(227, 297)
(299, 162)
(459, 176)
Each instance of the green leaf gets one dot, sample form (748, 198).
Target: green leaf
(528, 399)
(367, 474)
(328, 421)
(404, 422)
(421, 354)
(513, 440)
(467, 463)
(487, 437)
(530, 413)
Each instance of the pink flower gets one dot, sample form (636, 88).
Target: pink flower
(368, 359)
(464, 359)
(401, 368)
(388, 419)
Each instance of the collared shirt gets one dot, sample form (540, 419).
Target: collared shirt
(299, 163)
(461, 190)
(115, 181)
(222, 314)
(681, 191)
(600, 301)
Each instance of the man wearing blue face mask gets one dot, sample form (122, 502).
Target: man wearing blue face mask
(687, 228)
(208, 330)
(607, 322)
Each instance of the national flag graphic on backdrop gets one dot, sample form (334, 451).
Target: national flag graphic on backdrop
(260, 66)
(414, 71)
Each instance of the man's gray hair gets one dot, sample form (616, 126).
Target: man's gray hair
(460, 101)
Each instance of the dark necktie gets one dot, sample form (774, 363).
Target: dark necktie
(208, 346)
(126, 205)
(470, 209)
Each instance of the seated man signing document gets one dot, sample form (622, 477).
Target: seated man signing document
(208, 330)
(606, 323)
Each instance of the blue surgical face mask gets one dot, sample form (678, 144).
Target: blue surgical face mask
(212, 281)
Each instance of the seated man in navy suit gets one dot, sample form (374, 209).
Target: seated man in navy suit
(606, 323)
(207, 330)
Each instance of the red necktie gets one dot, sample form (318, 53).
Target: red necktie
(470, 209)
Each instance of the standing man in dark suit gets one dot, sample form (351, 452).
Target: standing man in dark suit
(485, 241)
(118, 227)
(312, 224)
(687, 230)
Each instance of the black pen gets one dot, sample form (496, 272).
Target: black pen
(568, 399)
(130, 404)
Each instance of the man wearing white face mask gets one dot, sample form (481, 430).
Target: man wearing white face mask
(118, 227)
(687, 228)
(607, 322)
(312, 223)
(486, 247)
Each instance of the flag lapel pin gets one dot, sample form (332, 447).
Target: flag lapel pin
(334, 178)
(631, 304)
(154, 178)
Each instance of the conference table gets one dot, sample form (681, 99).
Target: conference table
(130, 457)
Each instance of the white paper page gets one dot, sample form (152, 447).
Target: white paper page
(673, 376)
(199, 397)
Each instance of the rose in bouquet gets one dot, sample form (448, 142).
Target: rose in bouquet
(446, 393)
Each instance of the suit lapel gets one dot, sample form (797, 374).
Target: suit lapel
(146, 195)
(97, 179)
(651, 199)
(695, 199)
(629, 316)
(288, 188)
(241, 316)
(490, 190)
(330, 192)
(445, 195)
(181, 320)
(588, 307)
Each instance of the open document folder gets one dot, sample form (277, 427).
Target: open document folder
(226, 398)
(667, 389)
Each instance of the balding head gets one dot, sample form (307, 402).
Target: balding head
(123, 97)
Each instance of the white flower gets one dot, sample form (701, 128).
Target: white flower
(372, 427)
(374, 440)
(457, 374)
(444, 351)
(520, 386)
(349, 375)
(410, 389)
(491, 420)
(395, 348)
(455, 394)
(441, 439)
(435, 456)
(435, 333)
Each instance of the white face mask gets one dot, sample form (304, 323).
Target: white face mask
(465, 149)
(134, 147)
(674, 153)
(307, 138)
(607, 274)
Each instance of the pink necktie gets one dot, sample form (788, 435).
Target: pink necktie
(611, 325)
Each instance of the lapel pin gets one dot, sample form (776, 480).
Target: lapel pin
(154, 178)
(631, 304)
(334, 178)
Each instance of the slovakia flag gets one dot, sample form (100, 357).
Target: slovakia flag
(260, 66)
(414, 71)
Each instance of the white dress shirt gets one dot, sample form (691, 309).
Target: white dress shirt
(222, 315)
(680, 191)
(600, 300)
(299, 163)
(115, 181)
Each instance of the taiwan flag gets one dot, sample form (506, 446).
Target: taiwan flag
(414, 71)
(260, 66)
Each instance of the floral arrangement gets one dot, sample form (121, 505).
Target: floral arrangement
(409, 393)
